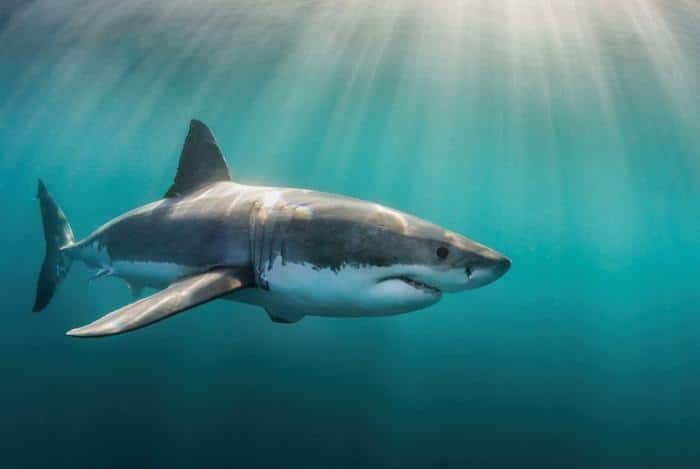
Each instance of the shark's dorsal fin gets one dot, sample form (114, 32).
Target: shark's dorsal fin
(201, 162)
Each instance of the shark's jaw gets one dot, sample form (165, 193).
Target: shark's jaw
(421, 287)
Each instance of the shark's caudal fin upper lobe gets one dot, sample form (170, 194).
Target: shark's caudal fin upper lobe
(58, 234)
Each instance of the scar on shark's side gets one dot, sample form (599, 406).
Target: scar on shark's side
(294, 252)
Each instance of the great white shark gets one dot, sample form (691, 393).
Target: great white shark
(294, 252)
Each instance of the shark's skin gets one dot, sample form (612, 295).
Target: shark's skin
(298, 252)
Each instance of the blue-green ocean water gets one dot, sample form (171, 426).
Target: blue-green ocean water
(562, 133)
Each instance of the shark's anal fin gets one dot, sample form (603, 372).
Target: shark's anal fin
(284, 318)
(103, 272)
(201, 162)
(179, 296)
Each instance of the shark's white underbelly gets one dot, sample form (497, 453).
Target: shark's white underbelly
(299, 289)
(152, 274)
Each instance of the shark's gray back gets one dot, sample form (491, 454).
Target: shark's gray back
(205, 229)
(234, 225)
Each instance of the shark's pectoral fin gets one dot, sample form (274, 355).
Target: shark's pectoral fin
(181, 295)
(286, 318)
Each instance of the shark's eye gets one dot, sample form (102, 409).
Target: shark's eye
(442, 252)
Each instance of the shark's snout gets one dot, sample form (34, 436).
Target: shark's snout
(489, 269)
(501, 265)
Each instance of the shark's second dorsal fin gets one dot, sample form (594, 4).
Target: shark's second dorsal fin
(201, 162)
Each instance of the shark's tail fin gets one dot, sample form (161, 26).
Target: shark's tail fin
(58, 234)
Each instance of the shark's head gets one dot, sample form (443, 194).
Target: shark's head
(424, 260)
(449, 262)
(351, 257)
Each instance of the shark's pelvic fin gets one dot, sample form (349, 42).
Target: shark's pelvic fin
(180, 296)
(136, 288)
(284, 318)
(201, 162)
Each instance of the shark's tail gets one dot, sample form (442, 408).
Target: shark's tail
(58, 234)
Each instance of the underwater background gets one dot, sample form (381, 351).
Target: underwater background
(563, 133)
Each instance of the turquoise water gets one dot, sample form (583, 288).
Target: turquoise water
(562, 133)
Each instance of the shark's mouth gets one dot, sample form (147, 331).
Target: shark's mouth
(420, 286)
